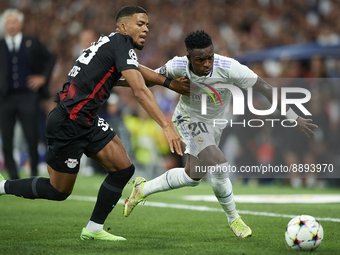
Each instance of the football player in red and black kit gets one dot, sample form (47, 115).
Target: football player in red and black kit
(74, 128)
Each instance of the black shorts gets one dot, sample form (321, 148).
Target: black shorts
(67, 140)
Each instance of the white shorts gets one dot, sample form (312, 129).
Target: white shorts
(196, 134)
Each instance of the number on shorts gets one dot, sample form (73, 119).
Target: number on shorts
(102, 123)
(197, 127)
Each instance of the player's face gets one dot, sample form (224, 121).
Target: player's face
(12, 25)
(137, 27)
(201, 60)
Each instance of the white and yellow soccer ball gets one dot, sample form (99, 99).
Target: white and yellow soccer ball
(304, 232)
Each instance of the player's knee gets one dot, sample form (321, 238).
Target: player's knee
(121, 177)
(128, 172)
(46, 190)
(220, 171)
(124, 173)
(58, 196)
(211, 156)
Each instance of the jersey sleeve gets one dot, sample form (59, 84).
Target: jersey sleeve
(124, 54)
(170, 69)
(241, 75)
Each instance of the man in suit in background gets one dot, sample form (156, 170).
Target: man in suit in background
(25, 68)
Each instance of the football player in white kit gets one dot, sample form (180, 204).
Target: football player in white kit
(206, 69)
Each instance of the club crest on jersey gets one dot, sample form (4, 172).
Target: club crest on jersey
(71, 163)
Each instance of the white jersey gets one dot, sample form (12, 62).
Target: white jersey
(225, 71)
(195, 129)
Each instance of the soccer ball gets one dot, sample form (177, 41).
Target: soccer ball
(304, 232)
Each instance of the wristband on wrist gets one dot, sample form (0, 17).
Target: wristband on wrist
(167, 82)
(291, 115)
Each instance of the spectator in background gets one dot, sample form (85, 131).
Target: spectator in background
(85, 38)
(320, 84)
(148, 142)
(327, 37)
(25, 68)
(114, 118)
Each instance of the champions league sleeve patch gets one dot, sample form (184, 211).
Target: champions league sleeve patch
(162, 70)
(133, 54)
(133, 58)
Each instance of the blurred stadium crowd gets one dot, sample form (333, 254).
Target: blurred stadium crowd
(236, 27)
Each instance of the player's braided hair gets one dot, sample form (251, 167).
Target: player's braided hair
(197, 40)
(129, 11)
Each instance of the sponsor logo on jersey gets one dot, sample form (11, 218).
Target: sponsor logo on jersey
(72, 163)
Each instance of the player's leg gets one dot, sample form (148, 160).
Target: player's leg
(172, 179)
(223, 190)
(62, 182)
(120, 169)
(58, 187)
(220, 182)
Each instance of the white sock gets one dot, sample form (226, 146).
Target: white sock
(173, 179)
(2, 187)
(94, 227)
(223, 190)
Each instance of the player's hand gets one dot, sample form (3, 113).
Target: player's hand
(34, 82)
(181, 86)
(173, 140)
(304, 126)
(183, 79)
(192, 88)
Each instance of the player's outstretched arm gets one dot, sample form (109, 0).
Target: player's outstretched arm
(303, 125)
(153, 78)
(148, 102)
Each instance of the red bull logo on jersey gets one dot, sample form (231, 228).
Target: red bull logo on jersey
(72, 163)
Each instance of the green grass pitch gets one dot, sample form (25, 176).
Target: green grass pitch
(47, 227)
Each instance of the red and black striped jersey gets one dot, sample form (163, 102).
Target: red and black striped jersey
(93, 75)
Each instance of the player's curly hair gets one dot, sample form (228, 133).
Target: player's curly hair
(129, 11)
(197, 40)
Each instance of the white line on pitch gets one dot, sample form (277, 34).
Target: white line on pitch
(200, 208)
